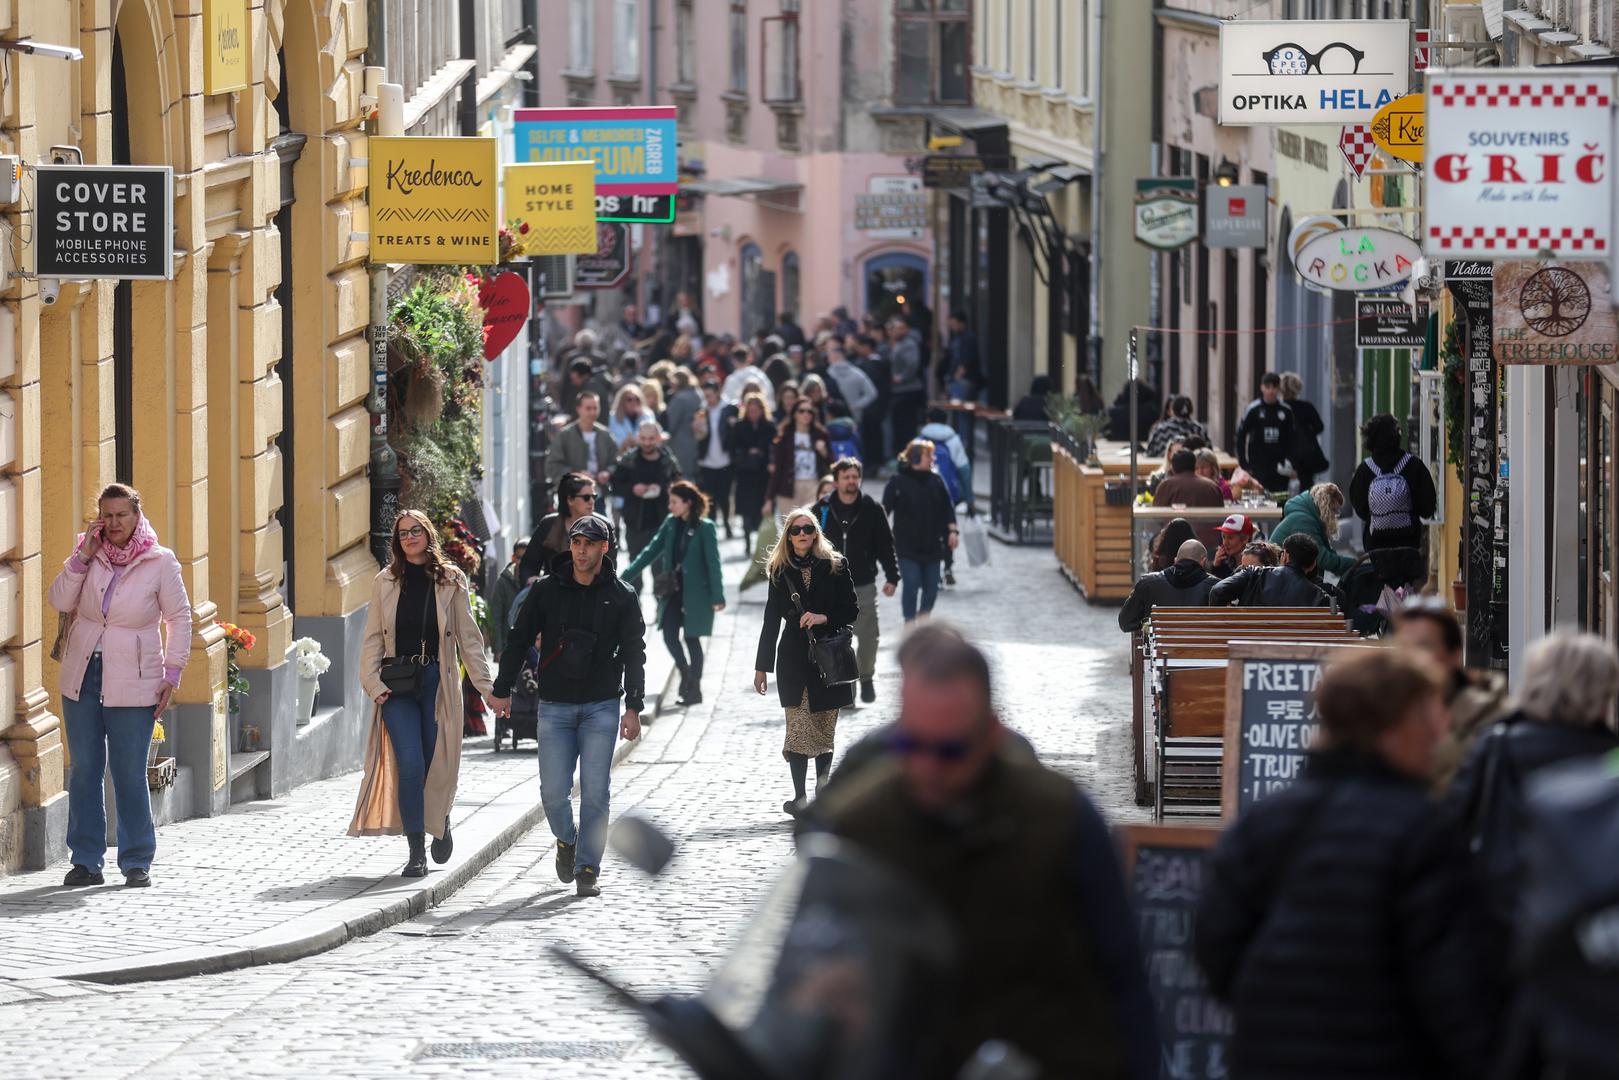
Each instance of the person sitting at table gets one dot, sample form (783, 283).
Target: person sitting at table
(1235, 532)
(1291, 584)
(1186, 584)
(1164, 471)
(1184, 487)
(1261, 553)
(1208, 467)
(1161, 556)
(1314, 513)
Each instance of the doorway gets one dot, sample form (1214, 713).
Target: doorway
(896, 284)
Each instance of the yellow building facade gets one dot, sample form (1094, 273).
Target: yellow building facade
(232, 396)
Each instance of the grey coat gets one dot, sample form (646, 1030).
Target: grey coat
(568, 452)
(683, 406)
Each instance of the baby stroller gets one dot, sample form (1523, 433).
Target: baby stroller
(523, 723)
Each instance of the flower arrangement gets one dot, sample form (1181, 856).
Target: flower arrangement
(461, 546)
(158, 734)
(310, 662)
(236, 640)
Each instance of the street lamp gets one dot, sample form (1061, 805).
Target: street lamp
(40, 48)
(1225, 174)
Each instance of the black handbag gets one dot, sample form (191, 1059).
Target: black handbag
(832, 656)
(403, 674)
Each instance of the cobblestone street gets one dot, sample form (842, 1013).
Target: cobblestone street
(469, 988)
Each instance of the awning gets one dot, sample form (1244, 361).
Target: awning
(1061, 176)
(966, 119)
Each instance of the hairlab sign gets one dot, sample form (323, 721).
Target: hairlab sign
(1312, 71)
(104, 221)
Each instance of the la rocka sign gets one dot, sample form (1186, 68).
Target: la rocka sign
(1330, 256)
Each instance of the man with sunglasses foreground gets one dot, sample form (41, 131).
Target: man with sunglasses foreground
(1019, 858)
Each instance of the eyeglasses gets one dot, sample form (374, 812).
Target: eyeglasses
(585, 496)
(805, 412)
(945, 750)
(801, 530)
(1337, 58)
(413, 533)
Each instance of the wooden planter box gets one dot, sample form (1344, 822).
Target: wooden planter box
(161, 774)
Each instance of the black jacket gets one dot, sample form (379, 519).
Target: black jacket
(1186, 584)
(865, 539)
(830, 594)
(923, 514)
(1424, 499)
(644, 515)
(1338, 922)
(1269, 586)
(1308, 457)
(607, 608)
(1265, 439)
(751, 445)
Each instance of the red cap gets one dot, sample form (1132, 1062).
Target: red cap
(1237, 523)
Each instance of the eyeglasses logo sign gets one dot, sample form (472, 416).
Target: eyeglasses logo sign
(1311, 71)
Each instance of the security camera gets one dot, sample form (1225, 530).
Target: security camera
(50, 291)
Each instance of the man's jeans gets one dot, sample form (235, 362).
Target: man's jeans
(98, 736)
(585, 734)
(865, 629)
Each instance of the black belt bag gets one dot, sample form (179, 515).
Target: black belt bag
(832, 656)
(403, 674)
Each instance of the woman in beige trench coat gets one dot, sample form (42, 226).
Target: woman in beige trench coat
(419, 607)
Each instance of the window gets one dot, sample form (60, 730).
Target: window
(778, 56)
(627, 38)
(1081, 34)
(1057, 72)
(931, 50)
(581, 35)
(739, 46)
(685, 44)
(1032, 58)
(789, 284)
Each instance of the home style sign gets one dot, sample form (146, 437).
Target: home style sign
(1166, 211)
(1355, 260)
(1311, 71)
(1519, 163)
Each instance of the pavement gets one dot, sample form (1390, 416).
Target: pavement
(469, 988)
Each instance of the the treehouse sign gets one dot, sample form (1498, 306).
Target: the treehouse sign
(1554, 313)
(1351, 260)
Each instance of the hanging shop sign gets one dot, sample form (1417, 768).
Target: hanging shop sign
(1166, 211)
(1398, 128)
(634, 149)
(1355, 260)
(1385, 323)
(1234, 217)
(1311, 71)
(1554, 313)
(611, 263)
(104, 221)
(1519, 164)
(557, 201)
(505, 302)
(433, 200)
(225, 43)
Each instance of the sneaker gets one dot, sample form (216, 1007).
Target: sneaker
(584, 882)
(442, 849)
(564, 861)
(80, 876)
(868, 691)
(136, 878)
(950, 579)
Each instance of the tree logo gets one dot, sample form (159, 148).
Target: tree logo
(1555, 301)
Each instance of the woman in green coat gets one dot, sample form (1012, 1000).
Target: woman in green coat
(689, 589)
(1315, 514)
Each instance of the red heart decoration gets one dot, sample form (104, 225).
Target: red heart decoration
(505, 309)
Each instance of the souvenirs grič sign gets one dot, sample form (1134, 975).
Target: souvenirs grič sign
(1311, 71)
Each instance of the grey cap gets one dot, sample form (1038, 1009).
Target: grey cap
(591, 527)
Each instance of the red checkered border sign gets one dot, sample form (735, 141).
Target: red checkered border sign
(1509, 238)
(1499, 93)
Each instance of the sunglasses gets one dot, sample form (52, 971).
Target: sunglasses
(412, 533)
(805, 412)
(801, 530)
(1335, 59)
(589, 496)
(945, 750)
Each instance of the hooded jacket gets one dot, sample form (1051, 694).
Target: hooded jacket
(1301, 515)
(923, 513)
(1186, 584)
(862, 535)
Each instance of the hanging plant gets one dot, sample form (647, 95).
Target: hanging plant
(1453, 364)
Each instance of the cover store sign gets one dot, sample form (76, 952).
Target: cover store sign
(1519, 164)
(1312, 71)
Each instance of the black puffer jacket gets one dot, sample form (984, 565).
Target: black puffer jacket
(1186, 584)
(1269, 586)
(1339, 922)
(920, 505)
(861, 533)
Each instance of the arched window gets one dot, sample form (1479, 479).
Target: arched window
(896, 283)
(758, 292)
(789, 285)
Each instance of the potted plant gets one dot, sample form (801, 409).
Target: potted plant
(311, 664)
(236, 640)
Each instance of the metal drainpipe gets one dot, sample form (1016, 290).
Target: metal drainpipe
(650, 234)
(384, 463)
(469, 82)
(1094, 363)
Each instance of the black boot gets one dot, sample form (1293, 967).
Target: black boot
(442, 848)
(417, 866)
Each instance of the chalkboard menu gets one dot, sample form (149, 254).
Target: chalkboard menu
(1164, 866)
(1270, 718)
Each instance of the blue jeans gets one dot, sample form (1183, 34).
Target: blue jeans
(98, 736)
(585, 734)
(412, 723)
(916, 574)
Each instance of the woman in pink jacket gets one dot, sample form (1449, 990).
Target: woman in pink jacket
(118, 674)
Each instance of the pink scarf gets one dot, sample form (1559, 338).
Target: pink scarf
(140, 542)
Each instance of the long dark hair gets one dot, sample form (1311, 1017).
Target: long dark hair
(694, 498)
(1169, 541)
(568, 485)
(438, 567)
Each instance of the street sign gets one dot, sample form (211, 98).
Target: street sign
(1519, 163)
(557, 202)
(642, 209)
(1398, 127)
(1383, 323)
(1356, 145)
(611, 263)
(1311, 71)
(1234, 217)
(1554, 313)
(635, 150)
(1355, 260)
(433, 200)
(104, 221)
(1166, 211)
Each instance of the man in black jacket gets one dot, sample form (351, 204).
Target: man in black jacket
(1291, 584)
(1186, 584)
(587, 626)
(642, 478)
(858, 528)
(1265, 435)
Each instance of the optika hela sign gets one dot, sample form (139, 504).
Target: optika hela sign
(1311, 71)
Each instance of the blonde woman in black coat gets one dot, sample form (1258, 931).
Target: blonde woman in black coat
(810, 588)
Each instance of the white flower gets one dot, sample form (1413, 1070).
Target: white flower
(312, 665)
(306, 645)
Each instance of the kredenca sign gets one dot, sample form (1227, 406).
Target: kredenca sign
(104, 221)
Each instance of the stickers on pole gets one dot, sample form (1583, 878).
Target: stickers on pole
(433, 200)
(1519, 164)
(557, 201)
(1554, 313)
(1311, 71)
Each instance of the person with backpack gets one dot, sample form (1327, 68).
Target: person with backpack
(1392, 490)
(954, 468)
(843, 433)
(847, 381)
(924, 528)
(857, 527)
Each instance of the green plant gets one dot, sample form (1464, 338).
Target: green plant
(1453, 363)
(1066, 414)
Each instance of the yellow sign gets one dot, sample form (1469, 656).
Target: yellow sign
(557, 201)
(226, 31)
(1400, 128)
(433, 201)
